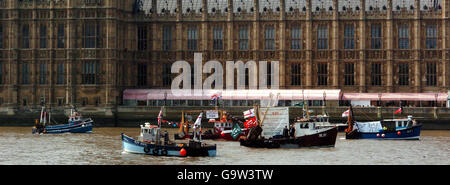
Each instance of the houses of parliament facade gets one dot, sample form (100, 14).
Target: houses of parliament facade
(87, 52)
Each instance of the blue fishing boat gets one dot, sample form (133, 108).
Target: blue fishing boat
(76, 124)
(404, 129)
(151, 142)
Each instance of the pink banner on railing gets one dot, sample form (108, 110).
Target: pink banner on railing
(396, 96)
(245, 94)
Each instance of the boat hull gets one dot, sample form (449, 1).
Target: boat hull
(412, 133)
(66, 128)
(131, 145)
(326, 138)
(227, 135)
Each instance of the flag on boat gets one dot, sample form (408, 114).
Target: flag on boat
(249, 113)
(346, 113)
(250, 123)
(159, 117)
(399, 110)
(215, 97)
(198, 122)
(236, 131)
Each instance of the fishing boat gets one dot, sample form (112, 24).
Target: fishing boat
(76, 124)
(150, 142)
(221, 127)
(306, 134)
(404, 129)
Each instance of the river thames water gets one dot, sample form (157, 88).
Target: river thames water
(103, 147)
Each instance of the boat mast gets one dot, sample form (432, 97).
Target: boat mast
(350, 119)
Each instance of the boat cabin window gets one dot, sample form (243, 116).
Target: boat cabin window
(304, 125)
(400, 124)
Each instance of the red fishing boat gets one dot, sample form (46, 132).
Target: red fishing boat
(306, 134)
(221, 129)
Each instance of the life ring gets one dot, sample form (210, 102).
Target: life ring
(147, 149)
(155, 151)
(164, 151)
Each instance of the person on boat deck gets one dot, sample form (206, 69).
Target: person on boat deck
(285, 132)
(292, 131)
(384, 128)
(166, 137)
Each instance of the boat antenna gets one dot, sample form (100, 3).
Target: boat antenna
(303, 102)
(381, 106)
(324, 103)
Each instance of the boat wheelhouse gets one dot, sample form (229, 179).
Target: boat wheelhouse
(152, 142)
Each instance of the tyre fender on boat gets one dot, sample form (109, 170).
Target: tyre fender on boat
(155, 151)
(163, 151)
(147, 149)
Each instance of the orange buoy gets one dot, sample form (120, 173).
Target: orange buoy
(378, 135)
(398, 133)
(183, 152)
(382, 135)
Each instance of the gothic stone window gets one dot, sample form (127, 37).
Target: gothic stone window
(60, 101)
(247, 77)
(296, 37)
(60, 73)
(218, 38)
(1, 73)
(269, 74)
(349, 36)
(84, 101)
(1, 36)
(376, 36)
(60, 37)
(322, 36)
(403, 74)
(349, 74)
(90, 70)
(296, 74)
(431, 74)
(142, 38)
(192, 38)
(376, 74)
(269, 36)
(97, 101)
(25, 73)
(403, 36)
(42, 73)
(322, 74)
(43, 36)
(91, 35)
(142, 74)
(166, 74)
(167, 38)
(431, 36)
(25, 36)
(243, 37)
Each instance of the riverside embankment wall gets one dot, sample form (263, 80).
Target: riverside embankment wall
(432, 118)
